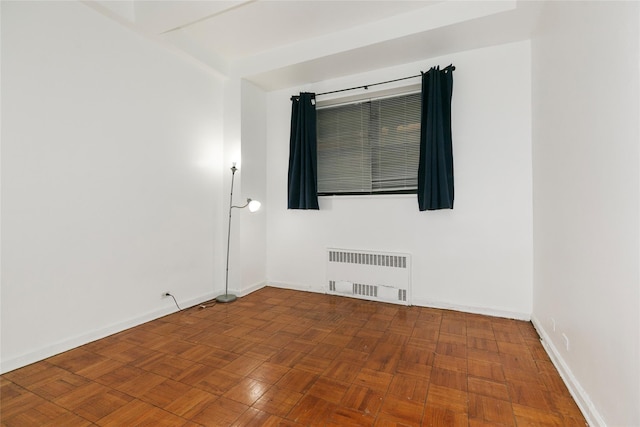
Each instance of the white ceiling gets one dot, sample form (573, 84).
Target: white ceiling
(282, 43)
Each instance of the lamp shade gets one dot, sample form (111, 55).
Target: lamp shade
(254, 205)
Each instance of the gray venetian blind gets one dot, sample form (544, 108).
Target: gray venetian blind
(369, 147)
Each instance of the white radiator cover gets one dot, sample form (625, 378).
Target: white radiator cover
(376, 276)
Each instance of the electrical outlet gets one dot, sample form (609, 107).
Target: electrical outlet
(566, 340)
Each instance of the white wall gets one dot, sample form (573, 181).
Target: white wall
(232, 154)
(586, 195)
(111, 179)
(253, 234)
(476, 257)
(244, 135)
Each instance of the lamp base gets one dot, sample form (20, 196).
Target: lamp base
(226, 298)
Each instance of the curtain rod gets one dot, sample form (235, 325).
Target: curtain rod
(448, 67)
(367, 86)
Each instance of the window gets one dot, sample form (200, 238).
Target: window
(369, 147)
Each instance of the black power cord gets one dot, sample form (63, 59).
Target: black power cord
(167, 294)
(205, 304)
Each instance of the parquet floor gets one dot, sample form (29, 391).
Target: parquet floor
(286, 358)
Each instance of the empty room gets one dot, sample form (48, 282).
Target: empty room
(320, 212)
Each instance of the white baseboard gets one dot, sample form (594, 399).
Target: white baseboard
(472, 309)
(250, 289)
(73, 342)
(580, 396)
(420, 303)
(297, 287)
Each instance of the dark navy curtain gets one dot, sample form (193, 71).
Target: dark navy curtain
(303, 158)
(435, 168)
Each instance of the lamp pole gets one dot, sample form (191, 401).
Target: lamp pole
(228, 297)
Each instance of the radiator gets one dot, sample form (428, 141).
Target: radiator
(376, 276)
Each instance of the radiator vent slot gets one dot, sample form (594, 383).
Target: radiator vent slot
(383, 260)
(376, 276)
(365, 290)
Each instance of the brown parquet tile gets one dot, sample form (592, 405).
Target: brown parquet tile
(287, 358)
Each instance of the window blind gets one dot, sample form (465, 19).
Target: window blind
(369, 147)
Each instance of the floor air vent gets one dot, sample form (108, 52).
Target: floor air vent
(376, 276)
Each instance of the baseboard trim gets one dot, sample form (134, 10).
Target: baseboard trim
(494, 312)
(251, 289)
(79, 340)
(421, 303)
(296, 287)
(578, 393)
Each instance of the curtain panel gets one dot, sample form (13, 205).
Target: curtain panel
(303, 157)
(435, 167)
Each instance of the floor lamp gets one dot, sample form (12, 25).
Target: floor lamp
(253, 205)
